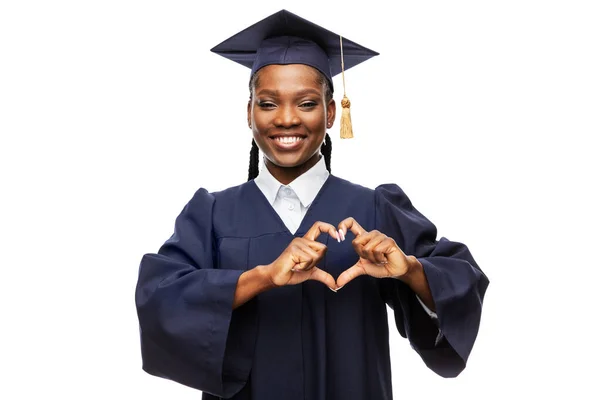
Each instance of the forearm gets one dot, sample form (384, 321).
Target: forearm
(415, 278)
(250, 284)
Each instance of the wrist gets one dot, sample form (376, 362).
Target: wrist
(264, 276)
(413, 271)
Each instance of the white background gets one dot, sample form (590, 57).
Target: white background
(112, 114)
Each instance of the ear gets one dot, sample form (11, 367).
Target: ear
(331, 113)
(250, 113)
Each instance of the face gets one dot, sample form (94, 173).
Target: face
(288, 114)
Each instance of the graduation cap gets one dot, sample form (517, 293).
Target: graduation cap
(285, 38)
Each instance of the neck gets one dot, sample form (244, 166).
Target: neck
(285, 175)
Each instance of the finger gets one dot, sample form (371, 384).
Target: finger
(316, 246)
(386, 247)
(300, 260)
(376, 247)
(367, 237)
(362, 241)
(317, 274)
(304, 258)
(350, 224)
(349, 274)
(321, 227)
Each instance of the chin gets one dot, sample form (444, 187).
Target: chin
(288, 160)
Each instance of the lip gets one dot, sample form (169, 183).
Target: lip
(286, 146)
(289, 134)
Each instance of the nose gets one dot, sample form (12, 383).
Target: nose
(286, 117)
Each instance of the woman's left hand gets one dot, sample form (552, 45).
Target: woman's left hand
(380, 256)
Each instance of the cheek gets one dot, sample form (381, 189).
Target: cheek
(316, 121)
(260, 119)
(318, 117)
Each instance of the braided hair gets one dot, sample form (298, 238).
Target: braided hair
(253, 168)
(325, 147)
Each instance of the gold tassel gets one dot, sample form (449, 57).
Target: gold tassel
(346, 121)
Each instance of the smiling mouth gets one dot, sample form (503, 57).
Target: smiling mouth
(288, 139)
(288, 142)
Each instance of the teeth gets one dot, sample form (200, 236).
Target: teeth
(288, 140)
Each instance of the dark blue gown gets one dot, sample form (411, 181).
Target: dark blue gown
(304, 341)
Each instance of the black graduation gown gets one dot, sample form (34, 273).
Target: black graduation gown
(304, 341)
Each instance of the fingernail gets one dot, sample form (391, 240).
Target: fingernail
(338, 288)
(333, 290)
(338, 237)
(342, 235)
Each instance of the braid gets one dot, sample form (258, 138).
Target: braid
(253, 168)
(326, 151)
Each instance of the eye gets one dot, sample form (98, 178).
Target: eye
(308, 104)
(266, 104)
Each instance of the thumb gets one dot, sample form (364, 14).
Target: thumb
(318, 274)
(349, 274)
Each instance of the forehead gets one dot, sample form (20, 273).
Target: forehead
(289, 74)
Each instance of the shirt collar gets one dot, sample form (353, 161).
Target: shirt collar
(306, 186)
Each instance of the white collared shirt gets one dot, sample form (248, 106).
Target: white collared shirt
(291, 202)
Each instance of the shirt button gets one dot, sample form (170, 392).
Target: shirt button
(291, 207)
(287, 191)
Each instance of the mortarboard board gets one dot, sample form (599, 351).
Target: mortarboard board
(285, 38)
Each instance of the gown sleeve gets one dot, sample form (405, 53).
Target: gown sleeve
(456, 282)
(188, 330)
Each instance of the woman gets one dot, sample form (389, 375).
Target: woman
(277, 288)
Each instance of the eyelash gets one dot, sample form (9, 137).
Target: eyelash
(308, 104)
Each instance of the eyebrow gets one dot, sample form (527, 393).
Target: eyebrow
(275, 93)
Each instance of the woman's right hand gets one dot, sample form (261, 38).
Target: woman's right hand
(298, 262)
